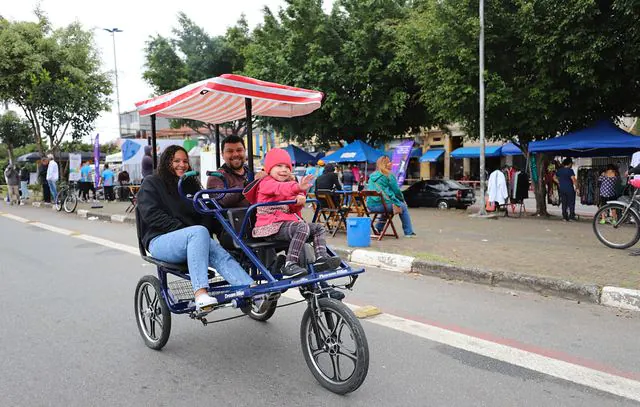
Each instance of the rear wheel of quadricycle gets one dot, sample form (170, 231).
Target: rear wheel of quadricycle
(70, 203)
(261, 315)
(615, 228)
(338, 356)
(152, 314)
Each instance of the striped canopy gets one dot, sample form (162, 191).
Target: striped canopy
(222, 99)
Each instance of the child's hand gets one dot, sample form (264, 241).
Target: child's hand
(306, 182)
(301, 200)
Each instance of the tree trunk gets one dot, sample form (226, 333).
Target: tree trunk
(540, 187)
(10, 151)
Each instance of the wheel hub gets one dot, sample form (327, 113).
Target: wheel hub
(331, 346)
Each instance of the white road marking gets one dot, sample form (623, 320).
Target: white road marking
(620, 386)
(597, 379)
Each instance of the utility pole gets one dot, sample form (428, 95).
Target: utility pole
(113, 32)
(483, 210)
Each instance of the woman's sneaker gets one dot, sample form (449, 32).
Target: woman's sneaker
(204, 302)
(326, 263)
(291, 270)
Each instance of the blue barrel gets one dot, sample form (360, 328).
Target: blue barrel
(359, 232)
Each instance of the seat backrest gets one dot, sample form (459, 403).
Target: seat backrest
(143, 250)
(236, 217)
(367, 194)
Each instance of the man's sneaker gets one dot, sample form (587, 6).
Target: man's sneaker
(326, 263)
(411, 236)
(205, 303)
(292, 270)
(331, 292)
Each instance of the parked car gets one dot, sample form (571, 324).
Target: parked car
(441, 194)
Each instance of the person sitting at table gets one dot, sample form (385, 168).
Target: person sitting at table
(328, 182)
(383, 181)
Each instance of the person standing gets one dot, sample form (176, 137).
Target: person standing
(24, 182)
(106, 179)
(85, 180)
(147, 162)
(348, 179)
(566, 179)
(42, 179)
(13, 182)
(52, 177)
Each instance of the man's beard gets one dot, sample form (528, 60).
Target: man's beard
(234, 167)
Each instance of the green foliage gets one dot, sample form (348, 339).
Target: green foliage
(192, 55)
(14, 132)
(350, 55)
(53, 76)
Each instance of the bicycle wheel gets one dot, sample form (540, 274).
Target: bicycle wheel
(60, 198)
(70, 203)
(614, 230)
(338, 356)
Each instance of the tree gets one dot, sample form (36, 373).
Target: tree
(192, 55)
(14, 132)
(53, 76)
(551, 67)
(350, 55)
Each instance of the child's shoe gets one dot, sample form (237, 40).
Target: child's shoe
(291, 270)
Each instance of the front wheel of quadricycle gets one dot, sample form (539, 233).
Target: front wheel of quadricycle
(70, 203)
(340, 361)
(263, 316)
(612, 230)
(152, 314)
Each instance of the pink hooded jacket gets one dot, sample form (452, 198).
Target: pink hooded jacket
(271, 190)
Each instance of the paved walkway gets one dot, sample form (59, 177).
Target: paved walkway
(528, 245)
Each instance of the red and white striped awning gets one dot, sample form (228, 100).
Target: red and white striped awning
(222, 99)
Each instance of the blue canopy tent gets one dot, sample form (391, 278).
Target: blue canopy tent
(474, 152)
(299, 156)
(432, 155)
(511, 149)
(355, 152)
(604, 139)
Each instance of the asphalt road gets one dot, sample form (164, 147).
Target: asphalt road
(68, 337)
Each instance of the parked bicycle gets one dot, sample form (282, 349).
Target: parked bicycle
(617, 224)
(67, 198)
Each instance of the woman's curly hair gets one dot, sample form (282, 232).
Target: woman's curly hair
(165, 168)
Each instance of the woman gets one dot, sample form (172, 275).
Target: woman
(173, 231)
(383, 181)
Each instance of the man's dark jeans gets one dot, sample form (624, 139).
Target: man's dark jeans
(568, 199)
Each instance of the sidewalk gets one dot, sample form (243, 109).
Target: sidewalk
(528, 245)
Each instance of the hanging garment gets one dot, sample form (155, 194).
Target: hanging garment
(498, 187)
(521, 191)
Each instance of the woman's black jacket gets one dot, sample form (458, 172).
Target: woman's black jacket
(161, 210)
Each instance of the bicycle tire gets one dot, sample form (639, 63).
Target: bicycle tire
(62, 195)
(631, 216)
(70, 203)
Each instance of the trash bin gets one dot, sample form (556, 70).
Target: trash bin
(359, 232)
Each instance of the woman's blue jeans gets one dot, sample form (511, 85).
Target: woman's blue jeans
(404, 217)
(194, 245)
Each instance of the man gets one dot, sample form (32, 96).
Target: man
(147, 162)
(348, 179)
(24, 182)
(566, 180)
(328, 180)
(42, 179)
(123, 181)
(52, 176)
(234, 171)
(107, 179)
(13, 182)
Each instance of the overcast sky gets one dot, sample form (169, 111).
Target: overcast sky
(138, 19)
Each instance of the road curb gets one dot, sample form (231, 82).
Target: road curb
(621, 298)
(609, 296)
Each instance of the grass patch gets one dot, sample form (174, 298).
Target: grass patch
(432, 257)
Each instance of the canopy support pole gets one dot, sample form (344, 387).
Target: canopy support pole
(154, 153)
(249, 124)
(218, 152)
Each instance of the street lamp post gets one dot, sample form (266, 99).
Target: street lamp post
(113, 32)
(483, 210)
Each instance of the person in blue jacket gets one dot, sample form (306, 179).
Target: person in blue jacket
(383, 181)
